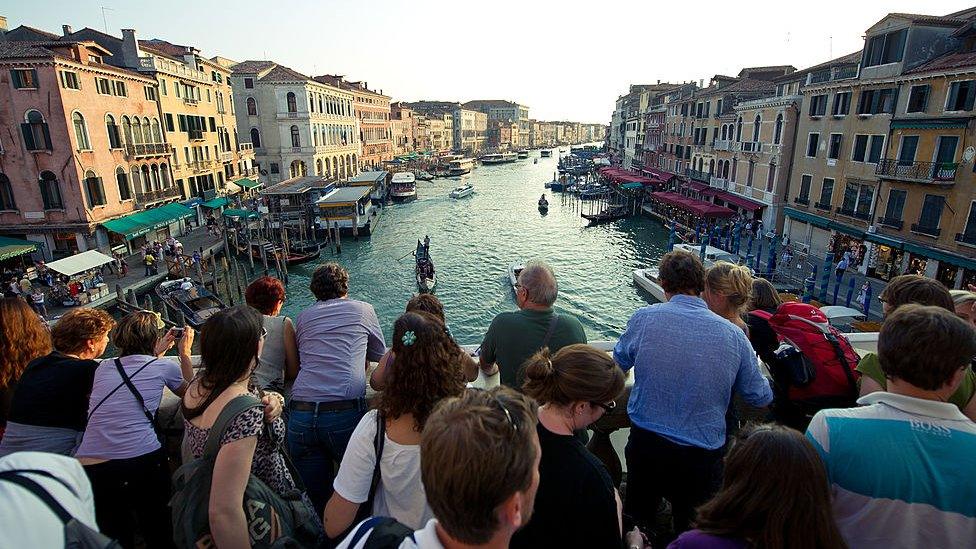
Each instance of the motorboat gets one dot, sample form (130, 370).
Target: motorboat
(647, 279)
(191, 299)
(546, 153)
(403, 187)
(522, 154)
(422, 175)
(460, 166)
(543, 204)
(462, 191)
(514, 270)
(498, 158)
(712, 254)
(426, 277)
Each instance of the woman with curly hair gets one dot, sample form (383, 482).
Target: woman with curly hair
(23, 337)
(424, 372)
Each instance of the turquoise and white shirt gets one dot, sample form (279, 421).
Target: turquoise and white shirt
(902, 471)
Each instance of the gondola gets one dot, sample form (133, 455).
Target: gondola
(192, 299)
(426, 277)
(298, 253)
(610, 214)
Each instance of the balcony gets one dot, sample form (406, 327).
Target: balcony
(866, 216)
(697, 175)
(718, 182)
(226, 156)
(897, 224)
(141, 150)
(751, 146)
(772, 148)
(200, 166)
(721, 145)
(802, 200)
(151, 197)
(934, 232)
(967, 238)
(190, 101)
(822, 206)
(938, 173)
(245, 147)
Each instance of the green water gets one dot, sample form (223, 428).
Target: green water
(475, 239)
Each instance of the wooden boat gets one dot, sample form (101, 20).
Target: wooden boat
(610, 214)
(426, 277)
(462, 191)
(422, 175)
(298, 253)
(193, 300)
(513, 273)
(543, 206)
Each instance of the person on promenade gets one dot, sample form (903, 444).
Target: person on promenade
(919, 290)
(424, 372)
(513, 337)
(230, 347)
(336, 336)
(774, 494)
(278, 362)
(49, 408)
(728, 288)
(843, 264)
(575, 387)
(37, 303)
(23, 337)
(430, 304)
(963, 301)
(901, 465)
(121, 449)
(150, 262)
(480, 449)
(687, 363)
(762, 337)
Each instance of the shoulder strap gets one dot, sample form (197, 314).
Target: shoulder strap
(364, 528)
(552, 328)
(231, 410)
(765, 315)
(112, 392)
(378, 442)
(842, 357)
(39, 491)
(388, 533)
(46, 475)
(135, 392)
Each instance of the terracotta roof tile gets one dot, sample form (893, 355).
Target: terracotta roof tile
(281, 73)
(947, 62)
(251, 66)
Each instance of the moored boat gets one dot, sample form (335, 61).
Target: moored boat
(498, 158)
(610, 214)
(522, 154)
(192, 299)
(460, 166)
(647, 279)
(403, 187)
(462, 191)
(426, 277)
(546, 153)
(513, 273)
(422, 175)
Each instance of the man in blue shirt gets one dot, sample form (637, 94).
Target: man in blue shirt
(687, 362)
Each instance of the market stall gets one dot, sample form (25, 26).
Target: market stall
(81, 281)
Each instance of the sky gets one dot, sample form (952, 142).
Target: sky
(566, 60)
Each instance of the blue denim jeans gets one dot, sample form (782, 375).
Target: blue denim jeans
(316, 442)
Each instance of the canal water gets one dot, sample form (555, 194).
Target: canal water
(473, 240)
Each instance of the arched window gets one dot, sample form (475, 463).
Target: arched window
(724, 132)
(297, 169)
(255, 138)
(94, 191)
(725, 170)
(136, 131)
(6, 194)
(127, 130)
(328, 169)
(711, 167)
(136, 180)
(252, 107)
(354, 160)
(154, 172)
(311, 103)
(114, 140)
(37, 137)
(146, 179)
(755, 128)
(50, 191)
(122, 180)
(738, 130)
(318, 166)
(81, 132)
(146, 131)
(778, 131)
(771, 177)
(296, 140)
(156, 134)
(164, 176)
(735, 163)
(292, 102)
(315, 136)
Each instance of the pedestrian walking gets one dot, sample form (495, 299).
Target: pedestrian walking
(37, 302)
(150, 262)
(842, 265)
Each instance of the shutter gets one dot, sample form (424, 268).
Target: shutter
(182, 121)
(15, 79)
(28, 137)
(47, 137)
(37, 84)
(970, 95)
(953, 95)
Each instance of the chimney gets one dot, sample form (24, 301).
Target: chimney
(65, 30)
(130, 49)
(701, 82)
(658, 80)
(3, 26)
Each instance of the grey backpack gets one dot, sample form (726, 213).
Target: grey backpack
(77, 534)
(273, 519)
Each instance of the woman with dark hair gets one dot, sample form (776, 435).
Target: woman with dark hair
(774, 494)
(23, 337)
(761, 335)
(230, 344)
(121, 449)
(424, 372)
(278, 362)
(574, 387)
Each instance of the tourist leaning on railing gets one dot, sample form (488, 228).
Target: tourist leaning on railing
(121, 449)
(278, 362)
(49, 409)
(23, 337)
(963, 301)
(577, 504)
(424, 372)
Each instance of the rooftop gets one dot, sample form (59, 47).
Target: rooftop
(297, 185)
(368, 177)
(344, 195)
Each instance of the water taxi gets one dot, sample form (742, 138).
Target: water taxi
(648, 278)
(192, 299)
(499, 158)
(522, 154)
(422, 175)
(460, 166)
(513, 273)
(403, 187)
(546, 153)
(462, 191)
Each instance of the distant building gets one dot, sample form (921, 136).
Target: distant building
(470, 130)
(502, 135)
(403, 127)
(372, 110)
(498, 109)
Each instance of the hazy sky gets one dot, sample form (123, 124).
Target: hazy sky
(566, 60)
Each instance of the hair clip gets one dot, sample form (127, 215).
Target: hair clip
(408, 338)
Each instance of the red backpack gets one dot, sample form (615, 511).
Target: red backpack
(815, 365)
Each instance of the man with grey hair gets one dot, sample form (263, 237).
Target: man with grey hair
(514, 337)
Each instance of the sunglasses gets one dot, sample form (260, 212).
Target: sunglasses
(264, 332)
(607, 406)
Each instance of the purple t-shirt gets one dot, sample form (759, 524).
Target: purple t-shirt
(696, 539)
(119, 428)
(335, 339)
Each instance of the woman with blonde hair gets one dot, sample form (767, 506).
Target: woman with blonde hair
(575, 387)
(728, 289)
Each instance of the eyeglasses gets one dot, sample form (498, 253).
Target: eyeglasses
(607, 406)
(881, 299)
(264, 333)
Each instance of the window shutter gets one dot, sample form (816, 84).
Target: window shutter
(28, 137)
(37, 84)
(970, 95)
(47, 137)
(15, 78)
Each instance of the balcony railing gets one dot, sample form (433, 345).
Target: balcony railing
(200, 166)
(802, 200)
(934, 172)
(721, 144)
(150, 197)
(146, 149)
(822, 206)
(244, 147)
(927, 231)
(226, 156)
(891, 222)
(697, 175)
(850, 212)
(718, 182)
(772, 148)
(966, 238)
(190, 101)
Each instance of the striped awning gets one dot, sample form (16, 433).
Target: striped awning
(12, 247)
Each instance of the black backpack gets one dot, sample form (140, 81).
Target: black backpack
(274, 520)
(77, 534)
(384, 533)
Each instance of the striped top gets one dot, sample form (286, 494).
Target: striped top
(901, 470)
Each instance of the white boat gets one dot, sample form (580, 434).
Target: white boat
(647, 279)
(462, 191)
(422, 175)
(403, 187)
(513, 272)
(522, 153)
(499, 158)
(546, 153)
(460, 166)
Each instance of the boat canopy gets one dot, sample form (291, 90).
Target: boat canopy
(78, 263)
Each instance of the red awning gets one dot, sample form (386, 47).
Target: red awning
(697, 186)
(740, 201)
(697, 207)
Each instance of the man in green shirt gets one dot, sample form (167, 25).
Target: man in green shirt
(514, 337)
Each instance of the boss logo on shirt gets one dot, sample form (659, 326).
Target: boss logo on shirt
(930, 428)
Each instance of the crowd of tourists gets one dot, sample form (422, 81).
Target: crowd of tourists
(281, 446)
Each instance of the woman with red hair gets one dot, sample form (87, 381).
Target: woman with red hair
(23, 337)
(278, 361)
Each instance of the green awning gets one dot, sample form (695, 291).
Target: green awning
(634, 185)
(247, 184)
(933, 253)
(218, 202)
(231, 212)
(12, 247)
(127, 226)
(807, 217)
(879, 238)
(140, 223)
(930, 124)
